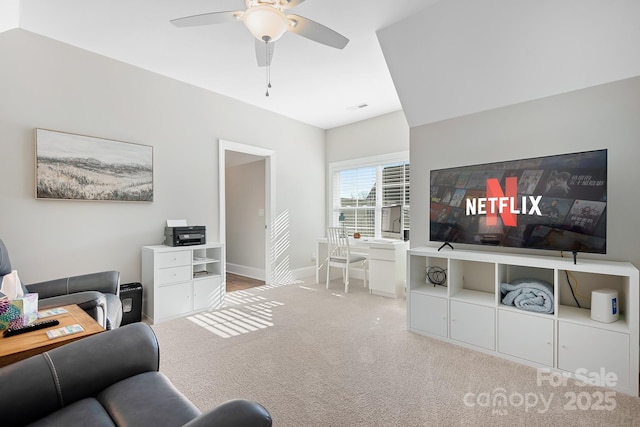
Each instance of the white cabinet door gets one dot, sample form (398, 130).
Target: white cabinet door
(592, 350)
(428, 314)
(473, 324)
(382, 277)
(174, 300)
(526, 336)
(207, 293)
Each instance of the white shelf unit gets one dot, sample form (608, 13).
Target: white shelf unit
(467, 310)
(178, 281)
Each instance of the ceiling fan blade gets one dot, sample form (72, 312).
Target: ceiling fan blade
(292, 3)
(264, 53)
(208, 19)
(316, 32)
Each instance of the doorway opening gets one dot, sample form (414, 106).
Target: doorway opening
(246, 211)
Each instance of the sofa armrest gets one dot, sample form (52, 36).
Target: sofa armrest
(42, 384)
(104, 281)
(94, 303)
(234, 413)
(87, 300)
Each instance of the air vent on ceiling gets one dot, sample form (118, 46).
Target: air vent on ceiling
(358, 107)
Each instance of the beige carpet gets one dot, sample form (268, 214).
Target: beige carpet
(317, 357)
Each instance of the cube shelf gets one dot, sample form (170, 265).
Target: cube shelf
(467, 310)
(179, 281)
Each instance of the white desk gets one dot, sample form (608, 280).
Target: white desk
(387, 264)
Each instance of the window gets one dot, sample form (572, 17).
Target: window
(359, 190)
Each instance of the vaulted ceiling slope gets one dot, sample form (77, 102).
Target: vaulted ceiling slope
(460, 57)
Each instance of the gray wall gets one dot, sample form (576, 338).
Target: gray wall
(384, 134)
(605, 116)
(48, 84)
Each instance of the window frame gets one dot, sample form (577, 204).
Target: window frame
(379, 160)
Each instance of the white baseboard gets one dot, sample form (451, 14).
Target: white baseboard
(303, 273)
(243, 270)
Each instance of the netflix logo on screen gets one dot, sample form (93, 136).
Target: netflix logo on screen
(506, 206)
(555, 202)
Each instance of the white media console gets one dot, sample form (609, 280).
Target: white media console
(468, 311)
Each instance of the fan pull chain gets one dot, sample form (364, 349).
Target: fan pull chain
(268, 67)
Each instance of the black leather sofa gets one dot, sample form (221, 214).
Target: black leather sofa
(108, 379)
(96, 293)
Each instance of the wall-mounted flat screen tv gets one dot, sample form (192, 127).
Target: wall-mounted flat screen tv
(556, 202)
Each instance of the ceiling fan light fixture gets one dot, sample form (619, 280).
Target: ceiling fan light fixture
(266, 23)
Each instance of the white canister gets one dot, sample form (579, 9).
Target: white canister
(604, 305)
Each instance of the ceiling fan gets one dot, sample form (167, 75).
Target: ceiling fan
(267, 21)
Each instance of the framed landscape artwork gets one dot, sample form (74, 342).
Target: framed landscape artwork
(78, 167)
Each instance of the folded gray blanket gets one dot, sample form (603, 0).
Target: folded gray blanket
(528, 294)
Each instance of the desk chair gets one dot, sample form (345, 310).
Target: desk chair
(339, 255)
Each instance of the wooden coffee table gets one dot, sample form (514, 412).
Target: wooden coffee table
(18, 347)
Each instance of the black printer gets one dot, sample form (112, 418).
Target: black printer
(185, 235)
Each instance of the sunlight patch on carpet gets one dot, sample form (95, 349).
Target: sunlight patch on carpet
(231, 322)
(241, 297)
(251, 295)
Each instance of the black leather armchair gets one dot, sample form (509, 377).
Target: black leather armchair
(96, 293)
(109, 379)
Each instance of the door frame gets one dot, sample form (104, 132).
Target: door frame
(269, 194)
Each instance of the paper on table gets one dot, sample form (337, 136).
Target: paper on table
(51, 312)
(65, 330)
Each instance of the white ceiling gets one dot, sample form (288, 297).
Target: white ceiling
(312, 83)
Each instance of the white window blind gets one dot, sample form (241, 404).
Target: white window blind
(359, 193)
(395, 188)
(357, 199)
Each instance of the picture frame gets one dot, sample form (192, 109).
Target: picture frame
(79, 167)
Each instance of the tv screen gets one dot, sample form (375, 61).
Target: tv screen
(555, 202)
